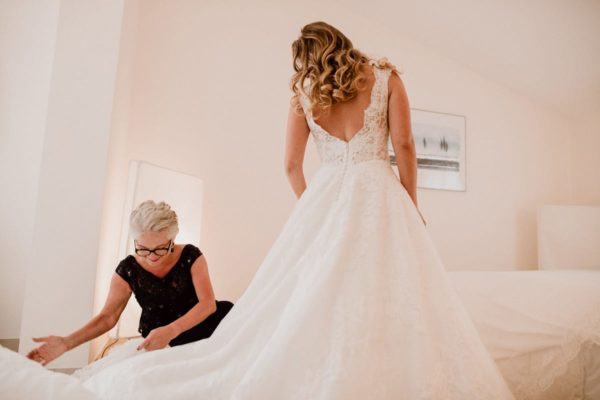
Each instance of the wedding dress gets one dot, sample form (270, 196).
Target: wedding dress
(351, 302)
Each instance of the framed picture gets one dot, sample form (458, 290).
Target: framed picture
(440, 145)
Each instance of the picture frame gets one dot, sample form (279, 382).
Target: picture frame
(440, 145)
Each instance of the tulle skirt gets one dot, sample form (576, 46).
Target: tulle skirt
(351, 302)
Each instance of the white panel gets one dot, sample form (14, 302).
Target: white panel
(569, 237)
(59, 291)
(27, 32)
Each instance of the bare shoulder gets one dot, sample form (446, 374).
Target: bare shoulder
(200, 262)
(396, 89)
(395, 83)
(296, 106)
(297, 123)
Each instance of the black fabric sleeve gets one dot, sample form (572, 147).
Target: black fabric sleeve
(192, 253)
(124, 270)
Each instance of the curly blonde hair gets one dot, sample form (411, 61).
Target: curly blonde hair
(329, 70)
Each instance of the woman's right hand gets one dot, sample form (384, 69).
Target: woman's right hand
(52, 347)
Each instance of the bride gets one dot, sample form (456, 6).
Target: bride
(351, 301)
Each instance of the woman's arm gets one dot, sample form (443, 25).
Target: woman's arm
(295, 146)
(160, 337)
(401, 136)
(54, 346)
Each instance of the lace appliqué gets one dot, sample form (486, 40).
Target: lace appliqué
(370, 142)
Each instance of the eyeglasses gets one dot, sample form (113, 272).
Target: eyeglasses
(159, 251)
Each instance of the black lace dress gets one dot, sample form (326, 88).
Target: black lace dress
(163, 300)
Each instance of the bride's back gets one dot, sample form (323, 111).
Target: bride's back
(343, 120)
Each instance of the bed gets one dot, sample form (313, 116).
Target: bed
(541, 326)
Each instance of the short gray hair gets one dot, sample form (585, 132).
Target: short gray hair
(150, 216)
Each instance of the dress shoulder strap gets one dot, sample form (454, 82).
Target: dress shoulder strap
(380, 87)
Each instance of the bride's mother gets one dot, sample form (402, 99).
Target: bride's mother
(170, 282)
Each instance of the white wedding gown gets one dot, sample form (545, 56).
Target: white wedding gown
(351, 302)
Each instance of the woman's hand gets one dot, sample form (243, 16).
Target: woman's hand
(158, 338)
(52, 348)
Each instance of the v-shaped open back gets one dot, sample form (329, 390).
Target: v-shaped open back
(370, 141)
(364, 111)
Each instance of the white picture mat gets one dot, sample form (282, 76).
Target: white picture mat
(441, 149)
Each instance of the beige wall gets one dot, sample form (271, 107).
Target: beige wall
(61, 267)
(209, 96)
(202, 87)
(585, 132)
(27, 38)
(117, 165)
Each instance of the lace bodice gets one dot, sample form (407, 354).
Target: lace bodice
(370, 142)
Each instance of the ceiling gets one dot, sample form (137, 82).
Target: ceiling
(547, 50)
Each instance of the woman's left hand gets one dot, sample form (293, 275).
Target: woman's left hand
(158, 338)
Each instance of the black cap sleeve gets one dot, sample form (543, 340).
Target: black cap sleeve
(190, 254)
(124, 270)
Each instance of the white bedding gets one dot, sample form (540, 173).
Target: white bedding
(23, 379)
(542, 328)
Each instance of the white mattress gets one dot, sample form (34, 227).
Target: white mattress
(541, 327)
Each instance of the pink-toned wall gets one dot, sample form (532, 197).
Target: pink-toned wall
(27, 34)
(202, 87)
(585, 142)
(208, 95)
(57, 74)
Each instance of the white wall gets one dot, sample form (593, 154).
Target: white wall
(117, 165)
(585, 147)
(202, 87)
(209, 96)
(27, 38)
(61, 273)
(516, 151)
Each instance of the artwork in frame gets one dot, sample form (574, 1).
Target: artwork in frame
(440, 145)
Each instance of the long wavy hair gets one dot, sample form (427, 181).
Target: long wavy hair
(328, 69)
